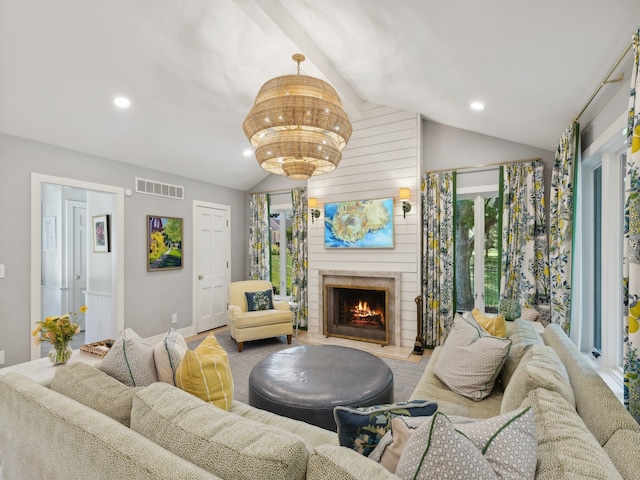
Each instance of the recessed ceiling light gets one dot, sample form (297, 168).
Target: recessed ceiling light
(247, 152)
(477, 106)
(122, 102)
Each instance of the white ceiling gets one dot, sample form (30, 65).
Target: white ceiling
(192, 69)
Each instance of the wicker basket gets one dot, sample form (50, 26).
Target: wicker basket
(97, 349)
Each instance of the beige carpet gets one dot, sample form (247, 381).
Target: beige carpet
(406, 370)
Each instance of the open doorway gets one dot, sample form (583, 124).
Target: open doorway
(65, 271)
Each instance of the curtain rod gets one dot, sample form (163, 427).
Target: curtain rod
(606, 80)
(276, 192)
(496, 164)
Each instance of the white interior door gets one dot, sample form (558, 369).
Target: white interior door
(79, 256)
(211, 265)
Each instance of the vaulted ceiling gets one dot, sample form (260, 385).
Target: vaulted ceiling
(192, 68)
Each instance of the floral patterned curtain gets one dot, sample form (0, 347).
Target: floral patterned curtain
(525, 271)
(300, 266)
(631, 245)
(561, 221)
(259, 240)
(438, 202)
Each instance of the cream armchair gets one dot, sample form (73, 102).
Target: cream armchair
(246, 325)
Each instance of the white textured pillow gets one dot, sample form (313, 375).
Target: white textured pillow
(168, 354)
(507, 441)
(130, 360)
(471, 359)
(440, 449)
(437, 450)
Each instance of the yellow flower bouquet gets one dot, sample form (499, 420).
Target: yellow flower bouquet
(58, 331)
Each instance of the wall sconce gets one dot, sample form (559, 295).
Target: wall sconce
(405, 194)
(313, 211)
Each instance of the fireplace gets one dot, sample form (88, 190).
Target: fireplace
(361, 305)
(357, 312)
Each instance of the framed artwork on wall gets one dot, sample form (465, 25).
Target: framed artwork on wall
(164, 243)
(359, 224)
(49, 234)
(101, 233)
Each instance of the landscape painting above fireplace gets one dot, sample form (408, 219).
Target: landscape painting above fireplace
(359, 224)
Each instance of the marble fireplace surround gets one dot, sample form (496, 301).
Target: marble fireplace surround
(363, 278)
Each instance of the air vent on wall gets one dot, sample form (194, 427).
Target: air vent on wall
(151, 187)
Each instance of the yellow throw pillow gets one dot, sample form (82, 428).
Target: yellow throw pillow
(496, 326)
(205, 373)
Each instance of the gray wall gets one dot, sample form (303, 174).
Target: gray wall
(150, 298)
(603, 112)
(446, 147)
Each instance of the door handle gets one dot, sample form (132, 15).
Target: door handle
(77, 277)
(200, 277)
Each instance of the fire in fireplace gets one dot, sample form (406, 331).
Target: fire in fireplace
(357, 313)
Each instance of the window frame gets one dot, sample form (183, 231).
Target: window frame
(282, 211)
(607, 153)
(478, 195)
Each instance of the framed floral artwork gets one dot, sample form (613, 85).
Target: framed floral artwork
(164, 243)
(101, 233)
(359, 224)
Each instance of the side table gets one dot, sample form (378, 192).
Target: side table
(43, 371)
(294, 307)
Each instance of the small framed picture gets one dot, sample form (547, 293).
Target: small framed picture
(49, 234)
(101, 233)
(164, 243)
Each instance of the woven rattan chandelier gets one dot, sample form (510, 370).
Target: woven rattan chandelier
(297, 126)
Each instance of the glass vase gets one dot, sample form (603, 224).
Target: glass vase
(60, 354)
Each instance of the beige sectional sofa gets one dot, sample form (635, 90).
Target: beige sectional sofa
(46, 434)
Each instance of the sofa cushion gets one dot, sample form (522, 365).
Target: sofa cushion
(130, 360)
(362, 428)
(221, 442)
(311, 434)
(46, 435)
(95, 389)
(506, 442)
(471, 359)
(566, 448)
(261, 317)
(205, 373)
(623, 449)
(495, 325)
(522, 336)
(330, 462)
(259, 300)
(593, 396)
(539, 367)
(168, 354)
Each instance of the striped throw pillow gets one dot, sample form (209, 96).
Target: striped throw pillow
(205, 373)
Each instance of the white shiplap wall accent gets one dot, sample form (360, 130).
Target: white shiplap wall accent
(382, 156)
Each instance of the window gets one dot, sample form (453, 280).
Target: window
(477, 249)
(597, 316)
(281, 257)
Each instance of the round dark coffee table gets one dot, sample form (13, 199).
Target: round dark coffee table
(307, 382)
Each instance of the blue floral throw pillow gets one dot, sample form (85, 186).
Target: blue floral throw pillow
(362, 428)
(259, 300)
